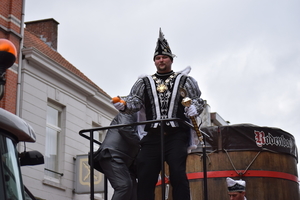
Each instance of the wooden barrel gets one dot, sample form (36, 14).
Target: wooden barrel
(268, 165)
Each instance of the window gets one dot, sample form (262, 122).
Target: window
(11, 171)
(98, 135)
(53, 132)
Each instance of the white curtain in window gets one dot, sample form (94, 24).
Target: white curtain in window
(51, 147)
(51, 151)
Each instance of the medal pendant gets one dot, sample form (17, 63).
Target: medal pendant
(182, 92)
(161, 88)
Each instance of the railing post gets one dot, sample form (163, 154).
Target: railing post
(92, 164)
(162, 156)
(105, 188)
(204, 169)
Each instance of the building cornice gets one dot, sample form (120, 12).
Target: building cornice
(42, 62)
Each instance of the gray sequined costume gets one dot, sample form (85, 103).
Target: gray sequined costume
(166, 104)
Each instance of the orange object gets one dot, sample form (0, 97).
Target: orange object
(8, 46)
(116, 99)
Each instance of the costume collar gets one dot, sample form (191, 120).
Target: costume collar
(164, 74)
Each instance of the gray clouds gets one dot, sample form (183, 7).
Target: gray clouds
(245, 55)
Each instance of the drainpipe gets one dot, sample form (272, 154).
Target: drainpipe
(20, 60)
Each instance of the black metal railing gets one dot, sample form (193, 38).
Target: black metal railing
(91, 155)
(49, 170)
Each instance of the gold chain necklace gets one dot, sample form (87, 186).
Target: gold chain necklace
(162, 86)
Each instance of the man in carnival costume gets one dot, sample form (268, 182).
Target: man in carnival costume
(159, 96)
(236, 189)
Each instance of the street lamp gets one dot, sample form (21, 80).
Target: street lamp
(8, 55)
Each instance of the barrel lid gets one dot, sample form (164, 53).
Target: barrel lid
(249, 137)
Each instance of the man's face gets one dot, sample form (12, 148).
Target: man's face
(163, 63)
(236, 195)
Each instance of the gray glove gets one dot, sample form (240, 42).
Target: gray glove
(119, 106)
(190, 111)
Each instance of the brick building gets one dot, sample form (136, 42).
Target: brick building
(10, 28)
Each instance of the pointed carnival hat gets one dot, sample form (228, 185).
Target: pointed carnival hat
(236, 185)
(162, 46)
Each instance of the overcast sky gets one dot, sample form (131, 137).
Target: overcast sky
(245, 54)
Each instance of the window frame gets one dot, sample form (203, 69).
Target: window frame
(101, 135)
(56, 178)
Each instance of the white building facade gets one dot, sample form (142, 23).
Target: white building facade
(58, 101)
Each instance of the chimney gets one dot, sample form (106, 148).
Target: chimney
(46, 29)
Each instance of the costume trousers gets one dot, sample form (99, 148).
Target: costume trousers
(149, 165)
(120, 178)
